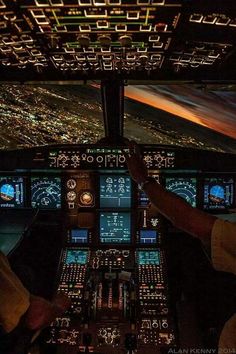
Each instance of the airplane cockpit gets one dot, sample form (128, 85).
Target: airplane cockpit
(72, 220)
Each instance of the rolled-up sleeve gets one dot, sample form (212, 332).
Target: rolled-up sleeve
(14, 298)
(223, 246)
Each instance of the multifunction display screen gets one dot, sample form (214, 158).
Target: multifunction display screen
(183, 187)
(218, 193)
(148, 236)
(148, 257)
(115, 191)
(11, 192)
(115, 227)
(79, 236)
(46, 192)
(76, 256)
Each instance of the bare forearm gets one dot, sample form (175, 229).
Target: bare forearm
(182, 215)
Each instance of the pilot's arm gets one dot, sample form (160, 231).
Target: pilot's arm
(182, 215)
(219, 235)
(17, 305)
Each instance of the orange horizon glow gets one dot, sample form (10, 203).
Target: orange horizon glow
(210, 115)
(165, 104)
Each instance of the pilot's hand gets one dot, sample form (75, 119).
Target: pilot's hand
(42, 312)
(135, 163)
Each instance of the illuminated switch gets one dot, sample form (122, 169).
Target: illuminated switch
(114, 2)
(100, 2)
(61, 29)
(26, 38)
(121, 28)
(157, 45)
(131, 57)
(85, 2)
(233, 23)
(208, 61)
(17, 47)
(142, 50)
(132, 15)
(196, 18)
(102, 24)
(92, 57)
(154, 38)
(57, 2)
(160, 27)
(156, 57)
(145, 28)
(56, 57)
(158, 2)
(143, 2)
(185, 59)
(85, 28)
(107, 57)
(96, 13)
(209, 19)
(88, 49)
(42, 2)
(223, 21)
(69, 50)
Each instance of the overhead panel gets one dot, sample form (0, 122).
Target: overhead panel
(92, 38)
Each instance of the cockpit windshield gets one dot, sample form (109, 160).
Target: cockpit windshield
(179, 115)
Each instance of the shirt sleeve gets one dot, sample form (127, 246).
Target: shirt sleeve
(14, 298)
(227, 337)
(223, 246)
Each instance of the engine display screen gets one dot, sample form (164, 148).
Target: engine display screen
(218, 193)
(76, 256)
(11, 192)
(183, 187)
(46, 192)
(148, 257)
(148, 236)
(115, 191)
(115, 227)
(79, 236)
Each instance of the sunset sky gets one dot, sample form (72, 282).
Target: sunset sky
(215, 110)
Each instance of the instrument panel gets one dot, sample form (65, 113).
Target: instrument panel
(113, 263)
(23, 190)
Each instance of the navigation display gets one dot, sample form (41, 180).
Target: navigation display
(11, 192)
(46, 192)
(79, 235)
(115, 191)
(148, 236)
(76, 256)
(148, 257)
(218, 193)
(183, 187)
(115, 227)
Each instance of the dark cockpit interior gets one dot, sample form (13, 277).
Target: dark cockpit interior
(71, 218)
